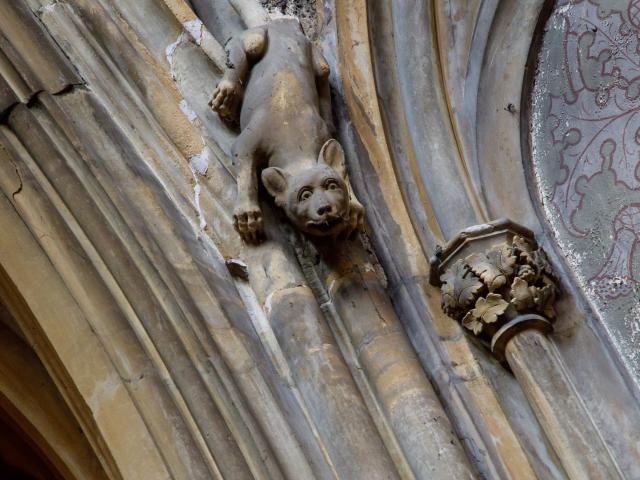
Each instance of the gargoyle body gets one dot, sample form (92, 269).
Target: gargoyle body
(279, 81)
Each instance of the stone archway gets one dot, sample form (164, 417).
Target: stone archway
(182, 353)
(39, 436)
(20, 457)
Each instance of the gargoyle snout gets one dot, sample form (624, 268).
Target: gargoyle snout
(325, 209)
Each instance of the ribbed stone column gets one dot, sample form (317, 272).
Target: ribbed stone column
(539, 369)
(499, 284)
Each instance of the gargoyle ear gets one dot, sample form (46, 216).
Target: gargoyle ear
(276, 181)
(333, 156)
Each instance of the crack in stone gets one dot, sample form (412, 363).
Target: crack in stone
(20, 186)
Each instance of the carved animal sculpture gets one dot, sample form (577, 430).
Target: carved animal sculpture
(279, 81)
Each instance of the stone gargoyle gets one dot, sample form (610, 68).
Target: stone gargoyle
(278, 82)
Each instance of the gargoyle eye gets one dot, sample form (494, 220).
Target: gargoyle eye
(304, 194)
(331, 184)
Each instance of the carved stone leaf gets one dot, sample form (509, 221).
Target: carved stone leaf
(460, 287)
(522, 295)
(493, 267)
(472, 323)
(489, 309)
(544, 299)
(538, 259)
(521, 247)
(527, 273)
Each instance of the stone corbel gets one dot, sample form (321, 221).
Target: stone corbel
(498, 283)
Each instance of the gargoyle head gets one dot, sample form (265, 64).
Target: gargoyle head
(317, 199)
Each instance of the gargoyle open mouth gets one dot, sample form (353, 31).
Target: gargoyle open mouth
(326, 225)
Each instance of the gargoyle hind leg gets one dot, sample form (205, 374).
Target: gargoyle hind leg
(322, 70)
(242, 52)
(356, 217)
(247, 216)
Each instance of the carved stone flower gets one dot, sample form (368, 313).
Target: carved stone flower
(487, 310)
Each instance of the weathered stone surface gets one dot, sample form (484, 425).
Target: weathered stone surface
(30, 61)
(568, 425)
(117, 190)
(584, 152)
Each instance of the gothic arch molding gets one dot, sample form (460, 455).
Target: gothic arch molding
(166, 335)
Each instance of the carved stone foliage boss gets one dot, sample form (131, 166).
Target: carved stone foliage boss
(493, 275)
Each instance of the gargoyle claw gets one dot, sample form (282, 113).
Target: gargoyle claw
(355, 223)
(225, 98)
(248, 223)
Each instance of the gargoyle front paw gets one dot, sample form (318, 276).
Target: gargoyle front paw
(225, 98)
(247, 220)
(355, 224)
